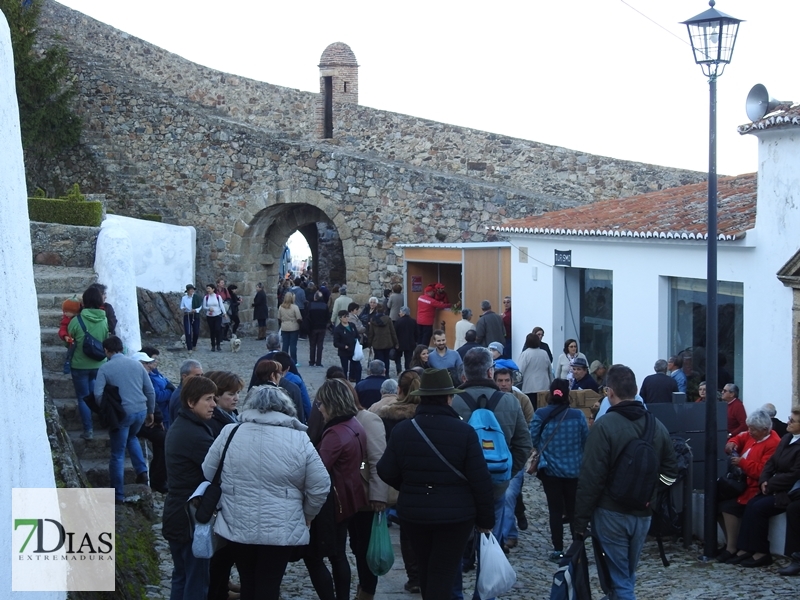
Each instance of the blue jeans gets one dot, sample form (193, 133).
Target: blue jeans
(189, 574)
(125, 437)
(622, 537)
(508, 528)
(83, 381)
(289, 343)
(191, 329)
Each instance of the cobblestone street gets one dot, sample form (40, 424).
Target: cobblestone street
(685, 578)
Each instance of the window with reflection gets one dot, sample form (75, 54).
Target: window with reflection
(687, 328)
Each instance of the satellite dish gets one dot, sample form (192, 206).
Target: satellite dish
(759, 103)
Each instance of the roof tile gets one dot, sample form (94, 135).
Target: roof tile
(674, 213)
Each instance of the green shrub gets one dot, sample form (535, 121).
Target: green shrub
(74, 194)
(152, 217)
(67, 212)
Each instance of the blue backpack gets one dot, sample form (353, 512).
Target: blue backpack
(490, 435)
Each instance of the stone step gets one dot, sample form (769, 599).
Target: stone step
(98, 447)
(50, 317)
(59, 385)
(49, 337)
(53, 300)
(62, 280)
(53, 358)
(96, 470)
(71, 417)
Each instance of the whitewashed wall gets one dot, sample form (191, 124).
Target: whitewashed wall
(640, 282)
(134, 252)
(163, 255)
(25, 459)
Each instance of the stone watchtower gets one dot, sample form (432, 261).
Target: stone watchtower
(338, 83)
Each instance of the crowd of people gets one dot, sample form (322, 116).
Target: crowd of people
(301, 477)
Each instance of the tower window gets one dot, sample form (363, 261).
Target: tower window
(328, 116)
(345, 87)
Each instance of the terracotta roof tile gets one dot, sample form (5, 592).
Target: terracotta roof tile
(785, 115)
(674, 213)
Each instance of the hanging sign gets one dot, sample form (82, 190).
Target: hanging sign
(563, 258)
(416, 283)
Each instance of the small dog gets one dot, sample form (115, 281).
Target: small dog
(236, 343)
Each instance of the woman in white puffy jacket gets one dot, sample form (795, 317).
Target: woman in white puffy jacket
(273, 484)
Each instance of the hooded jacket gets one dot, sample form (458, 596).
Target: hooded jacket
(607, 439)
(272, 480)
(381, 334)
(97, 325)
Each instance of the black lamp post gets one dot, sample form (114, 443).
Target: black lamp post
(713, 35)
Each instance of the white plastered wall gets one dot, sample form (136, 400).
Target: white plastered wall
(25, 459)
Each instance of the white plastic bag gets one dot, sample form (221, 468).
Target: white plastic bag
(495, 574)
(203, 542)
(358, 352)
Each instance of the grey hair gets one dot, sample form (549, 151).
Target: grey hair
(376, 367)
(188, 366)
(769, 408)
(660, 366)
(372, 299)
(486, 305)
(342, 289)
(273, 341)
(734, 389)
(466, 314)
(264, 398)
(405, 310)
(477, 363)
(759, 419)
(389, 387)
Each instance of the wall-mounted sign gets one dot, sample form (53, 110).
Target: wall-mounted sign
(563, 258)
(416, 283)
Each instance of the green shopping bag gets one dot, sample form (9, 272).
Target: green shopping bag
(380, 554)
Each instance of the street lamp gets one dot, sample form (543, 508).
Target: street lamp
(713, 36)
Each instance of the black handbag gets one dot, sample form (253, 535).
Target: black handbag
(208, 503)
(733, 484)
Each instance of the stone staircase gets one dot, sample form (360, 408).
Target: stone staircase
(53, 286)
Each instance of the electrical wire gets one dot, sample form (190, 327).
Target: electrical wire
(654, 22)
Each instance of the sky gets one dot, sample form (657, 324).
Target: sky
(591, 75)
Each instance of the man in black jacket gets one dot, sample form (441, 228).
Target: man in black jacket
(406, 330)
(621, 530)
(345, 336)
(659, 386)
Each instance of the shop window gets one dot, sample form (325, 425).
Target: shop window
(687, 325)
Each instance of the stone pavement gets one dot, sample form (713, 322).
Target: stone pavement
(685, 578)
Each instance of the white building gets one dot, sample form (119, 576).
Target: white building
(626, 277)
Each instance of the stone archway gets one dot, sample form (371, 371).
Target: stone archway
(320, 221)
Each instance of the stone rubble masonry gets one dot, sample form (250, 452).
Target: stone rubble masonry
(241, 161)
(60, 245)
(339, 63)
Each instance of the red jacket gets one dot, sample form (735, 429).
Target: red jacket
(62, 330)
(736, 417)
(342, 449)
(426, 309)
(754, 463)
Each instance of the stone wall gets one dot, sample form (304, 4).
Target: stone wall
(568, 174)
(63, 245)
(159, 313)
(240, 161)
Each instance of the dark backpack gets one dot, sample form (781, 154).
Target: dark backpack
(92, 347)
(635, 474)
(668, 506)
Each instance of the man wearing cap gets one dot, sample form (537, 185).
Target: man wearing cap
(444, 358)
(598, 370)
(138, 402)
(427, 306)
(490, 326)
(497, 350)
(190, 307)
(582, 380)
(341, 303)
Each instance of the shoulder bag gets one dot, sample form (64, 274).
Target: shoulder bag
(205, 542)
(92, 347)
